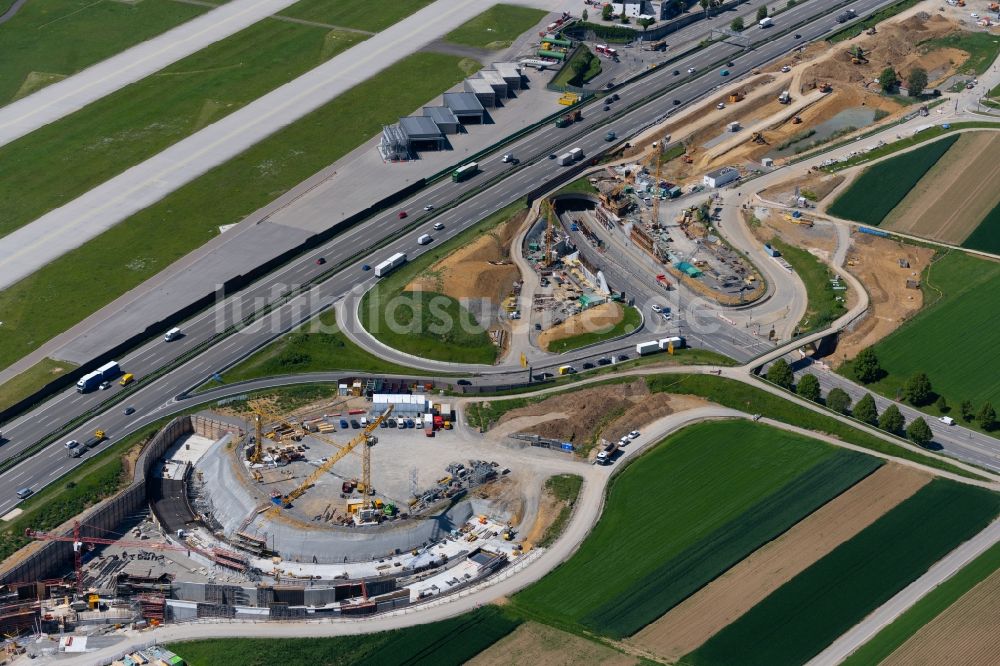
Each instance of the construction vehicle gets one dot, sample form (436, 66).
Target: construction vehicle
(857, 55)
(736, 97)
(759, 138)
(364, 486)
(785, 97)
(871, 31)
(569, 119)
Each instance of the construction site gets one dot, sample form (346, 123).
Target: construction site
(368, 501)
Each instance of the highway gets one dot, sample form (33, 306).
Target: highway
(348, 251)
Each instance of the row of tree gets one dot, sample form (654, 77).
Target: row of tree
(919, 392)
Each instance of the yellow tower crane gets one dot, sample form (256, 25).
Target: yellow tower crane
(660, 146)
(362, 439)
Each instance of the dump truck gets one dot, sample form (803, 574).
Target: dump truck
(569, 119)
(95, 439)
(607, 453)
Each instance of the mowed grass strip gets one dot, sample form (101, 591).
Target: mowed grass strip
(668, 500)
(62, 161)
(822, 306)
(428, 324)
(451, 641)
(370, 16)
(48, 41)
(648, 598)
(877, 191)
(926, 609)
(986, 236)
(963, 293)
(85, 279)
(809, 612)
(496, 28)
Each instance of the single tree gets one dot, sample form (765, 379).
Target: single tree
(838, 400)
(646, 22)
(607, 12)
(888, 80)
(780, 373)
(761, 13)
(919, 432)
(579, 67)
(968, 410)
(918, 389)
(866, 410)
(584, 15)
(737, 24)
(891, 420)
(987, 417)
(705, 4)
(866, 366)
(942, 405)
(916, 82)
(808, 387)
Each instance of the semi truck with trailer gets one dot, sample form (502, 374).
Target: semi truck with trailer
(565, 159)
(644, 348)
(89, 382)
(395, 261)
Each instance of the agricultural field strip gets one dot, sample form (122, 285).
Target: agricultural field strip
(685, 627)
(809, 612)
(986, 237)
(955, 195)
(759, 462)
(879, 188)
(676, 579)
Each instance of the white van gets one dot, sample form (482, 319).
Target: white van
(424, 240)
(172, 334)
(947, 420)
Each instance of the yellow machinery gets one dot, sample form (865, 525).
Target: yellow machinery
(736, 97)
(366, 468)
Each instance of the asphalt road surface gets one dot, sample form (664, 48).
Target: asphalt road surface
(149, 399)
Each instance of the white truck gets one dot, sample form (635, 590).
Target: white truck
(576, 154)
(172, 335)
(765, 22)
(395, 261)
(424, 239)
(676, 341)
(645, 348)
(565, 159)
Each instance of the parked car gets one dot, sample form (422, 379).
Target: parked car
(720, 105)
(355, 424)
(634, 434)
(657, 308)
(343, 424)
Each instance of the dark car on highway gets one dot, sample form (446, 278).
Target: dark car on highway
(588, 366)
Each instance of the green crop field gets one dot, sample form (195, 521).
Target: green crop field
(370, 16)
(452, 641)
(496, 28)
(54, 298)
(48, 41)
(986, 236)
(683, 493)
(646, 599)
(809, 612)
(960, 360)
(428, 324)
(925, 610)
(61, 161)
(877, 191)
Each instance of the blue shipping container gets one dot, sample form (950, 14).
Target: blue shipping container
(873, 232)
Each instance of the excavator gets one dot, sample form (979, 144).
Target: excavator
(857, 55)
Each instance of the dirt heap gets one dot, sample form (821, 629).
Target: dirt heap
(597, 318)
(481, 269)
(816, 182)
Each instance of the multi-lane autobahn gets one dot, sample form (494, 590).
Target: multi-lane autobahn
(645, 102)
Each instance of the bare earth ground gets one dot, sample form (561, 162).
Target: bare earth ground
(877, 266)
(819, 183)
(967, 633)
(721, 602)
(821, 236)
(596, 318)
(548, 511)
(540, 645)
(955, 195)
(481, 269)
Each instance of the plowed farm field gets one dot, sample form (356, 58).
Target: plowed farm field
(955, 195)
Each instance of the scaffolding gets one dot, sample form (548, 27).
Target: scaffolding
(394, 146)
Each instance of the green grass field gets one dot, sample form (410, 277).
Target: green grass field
(822, 307)
(982, 48)
(958, 288)
(881, 187)
(925, 610)
(370, 16)
(658, 509)
(452, 641)
(61, 161)
(427, 324)
(316, 346)
(496, 28)
(629, 322)
(48, 41)
(986, 236)
(565, 488)
(32, 380)
(568, 76)
(809, 612)
(55, 298)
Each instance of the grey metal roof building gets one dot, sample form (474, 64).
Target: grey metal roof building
(466, 106)
(444, 118)
(511, 73)
(422, 132)
(497, 82)
(483, 91)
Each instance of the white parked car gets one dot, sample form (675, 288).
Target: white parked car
(785, 69)
(657, 308)
(634, 434)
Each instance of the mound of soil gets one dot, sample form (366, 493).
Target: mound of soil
(599, 317)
